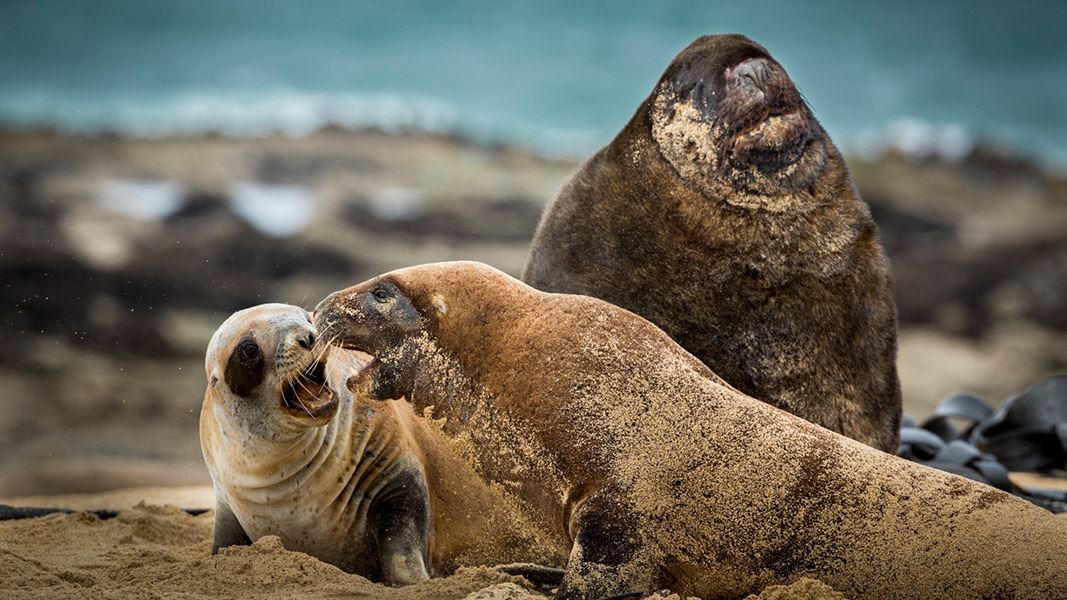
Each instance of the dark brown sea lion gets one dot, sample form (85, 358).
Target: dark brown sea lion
(663, 475)
(367, 486)
(724, 214)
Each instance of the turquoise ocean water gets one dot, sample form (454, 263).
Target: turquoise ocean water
(559, 76)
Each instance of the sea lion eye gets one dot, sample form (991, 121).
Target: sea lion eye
(246, 367)
(380, 294)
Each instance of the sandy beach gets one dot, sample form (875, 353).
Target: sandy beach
(121, 255)
(153, 549)
(164, 165)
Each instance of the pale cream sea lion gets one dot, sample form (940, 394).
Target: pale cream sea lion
(724, 214)
(367, 486)
(662, 474)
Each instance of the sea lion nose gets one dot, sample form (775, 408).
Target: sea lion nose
(753, 75)
(306, 341)
(323, 304)
(755, 89)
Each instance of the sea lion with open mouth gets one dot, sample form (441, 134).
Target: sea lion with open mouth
(724, 214)
(367, 486)
(661, 474)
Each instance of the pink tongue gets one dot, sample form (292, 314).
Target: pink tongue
(311, 396)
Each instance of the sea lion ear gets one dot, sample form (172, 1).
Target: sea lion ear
(438, 302)
(245, 368)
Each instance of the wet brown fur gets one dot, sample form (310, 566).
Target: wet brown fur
(775, 279)
(663, 475)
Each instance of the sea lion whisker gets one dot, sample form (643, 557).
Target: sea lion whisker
(331, 366)
(325, 348)
(299, 380)
(302, 407)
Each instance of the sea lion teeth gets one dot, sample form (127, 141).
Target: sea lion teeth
(307, 392)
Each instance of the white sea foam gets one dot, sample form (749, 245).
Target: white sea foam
(141, 198)
(916, 138)
(277, 210)
(292, 112)
(397, 204)
(289, 112)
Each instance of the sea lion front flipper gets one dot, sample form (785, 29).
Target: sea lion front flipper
(607, 560)
(401, 519)
(228, 531)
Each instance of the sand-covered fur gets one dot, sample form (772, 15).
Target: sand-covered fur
(663, 475)
(724, 214)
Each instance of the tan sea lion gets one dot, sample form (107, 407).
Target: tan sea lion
(367, 486)
(662, 474)
(724, 214)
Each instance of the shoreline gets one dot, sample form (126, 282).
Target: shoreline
(984, 151)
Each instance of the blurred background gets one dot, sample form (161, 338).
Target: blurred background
(163, 164)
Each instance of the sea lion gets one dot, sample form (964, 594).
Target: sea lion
(663, 475)
(724, 214)
(367, 486)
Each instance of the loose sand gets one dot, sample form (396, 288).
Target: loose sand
(159, 551)
(153, 551)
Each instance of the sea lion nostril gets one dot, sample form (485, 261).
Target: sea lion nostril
(755, 72)
(307, 341)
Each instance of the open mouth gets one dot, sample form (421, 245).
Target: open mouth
(308, 394)
(361, 369)
(784, 151)
(775, 142)
(363, 357)
(367, 364)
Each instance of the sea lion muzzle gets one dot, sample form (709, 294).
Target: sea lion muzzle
(308, 393)
(730, 113)
(765, 115)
